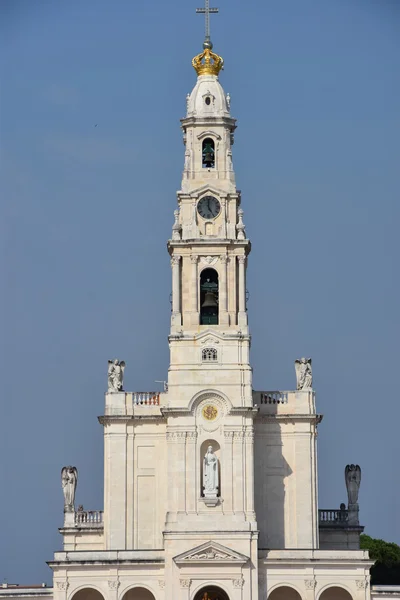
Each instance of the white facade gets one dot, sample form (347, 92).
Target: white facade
(162, 536)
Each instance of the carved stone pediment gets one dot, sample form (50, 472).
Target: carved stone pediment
(211, 552)
(209, 337)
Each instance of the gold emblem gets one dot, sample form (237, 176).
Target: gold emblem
(210, 412)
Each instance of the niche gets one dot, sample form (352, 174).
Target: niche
(217, 451)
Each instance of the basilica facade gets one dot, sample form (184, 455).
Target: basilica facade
(210, 487)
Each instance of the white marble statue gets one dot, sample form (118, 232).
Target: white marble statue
(69, 480)
(115, 375)
(210, 473)
(352, 475)
(303, 373)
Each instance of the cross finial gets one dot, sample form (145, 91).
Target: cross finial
(207, 11)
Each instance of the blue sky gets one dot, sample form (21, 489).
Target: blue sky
(91, 96)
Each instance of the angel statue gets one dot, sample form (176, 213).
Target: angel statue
(352, 475)
(69, 479)
(116, 375)
(303, 373)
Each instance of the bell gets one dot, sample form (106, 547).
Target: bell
(210, 300)
(208, 159)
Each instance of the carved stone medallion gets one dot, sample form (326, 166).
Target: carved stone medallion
(210, 412)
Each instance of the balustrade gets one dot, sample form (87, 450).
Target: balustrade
(333, 517)
(274, 397)
(146, 398)
(90, 518)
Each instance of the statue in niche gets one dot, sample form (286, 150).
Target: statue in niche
(210, 473)
(69, 480)
(352, 474)
(115, 375)
(303, 373)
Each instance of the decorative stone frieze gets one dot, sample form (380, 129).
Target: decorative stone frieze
(362, 584)
(238, 583)
(62, 586)
(310, 584)
(161, 584)
(175, 259)
(176, 436)
(185, 583)
(113, 584)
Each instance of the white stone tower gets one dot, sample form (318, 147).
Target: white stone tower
(210, 378)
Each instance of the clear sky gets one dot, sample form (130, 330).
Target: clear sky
(91, 96)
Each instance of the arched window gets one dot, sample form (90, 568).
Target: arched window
(208, 153)
(212, 593)
(209, 355)
(284, 593)
(335, 593)
(209, 297)
(87, 594)
(138, 593)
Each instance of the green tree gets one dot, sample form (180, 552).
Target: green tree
(386, 569)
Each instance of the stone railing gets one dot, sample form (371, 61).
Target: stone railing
(146, 398)
(274, 397)
(284, 402)
(89, 518)
(333, 517)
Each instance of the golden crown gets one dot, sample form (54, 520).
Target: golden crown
(208, 63)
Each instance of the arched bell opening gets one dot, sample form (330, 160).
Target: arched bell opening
(211, 592)
(209, 297)
(208, 153)
(216, 449)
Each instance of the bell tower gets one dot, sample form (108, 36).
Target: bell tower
(209, 247)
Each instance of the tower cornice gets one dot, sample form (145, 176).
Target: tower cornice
(199, 243)
(211, 120)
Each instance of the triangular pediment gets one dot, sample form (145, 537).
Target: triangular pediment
(207, 188)
(209, 336)
(211, 552)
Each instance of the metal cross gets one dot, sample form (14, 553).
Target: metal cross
(207, 11)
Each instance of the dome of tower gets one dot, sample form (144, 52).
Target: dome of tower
(207, 98)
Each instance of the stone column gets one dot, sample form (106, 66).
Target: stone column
(227, 472)
(242, 315)
(185, 588)
(176, 319)
(238, 469)
(172, 490)
(192, 485)
(249, 449)
(195, 285)
(179, 481)
(61, 590)
(223, 292)
(113, 585)
(310, 584)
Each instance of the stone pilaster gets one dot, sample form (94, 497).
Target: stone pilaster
(242, 315)
(192, 486)
(227, 472)
(223, 292)
(176, 318)
(185, 588)
(195, 286)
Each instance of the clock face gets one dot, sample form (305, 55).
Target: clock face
(209, 207)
